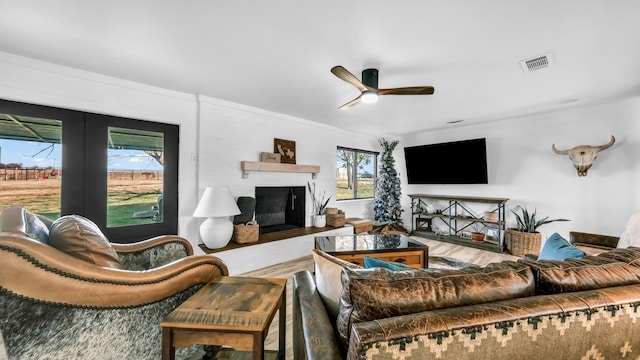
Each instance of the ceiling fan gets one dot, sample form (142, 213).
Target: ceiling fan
(368, 87)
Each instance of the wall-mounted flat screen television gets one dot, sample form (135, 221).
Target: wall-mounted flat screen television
(458, 162)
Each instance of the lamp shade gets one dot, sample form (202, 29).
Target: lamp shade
(216, 202)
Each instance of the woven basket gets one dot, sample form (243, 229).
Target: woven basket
(521, 243)
(246, 233)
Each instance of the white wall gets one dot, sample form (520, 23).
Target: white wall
(214, 135)
(521, 164)
(523, 168)
(230, 133)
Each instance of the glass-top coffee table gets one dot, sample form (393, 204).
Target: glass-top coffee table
(390, 247)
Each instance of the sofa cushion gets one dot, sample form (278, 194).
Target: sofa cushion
(370, 262)
(587, 273)
(557, 248)
(328, 274)
(81, 238)
(630, 255)
(377, 293)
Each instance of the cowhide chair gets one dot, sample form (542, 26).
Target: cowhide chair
(66, 292)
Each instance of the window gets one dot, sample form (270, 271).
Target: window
(30, 163)
(134, 176)
(120, 173)
(355, 173)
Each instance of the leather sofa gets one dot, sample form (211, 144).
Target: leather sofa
(66, 292)
(585, 308)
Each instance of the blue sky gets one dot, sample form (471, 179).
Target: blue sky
(31, 154)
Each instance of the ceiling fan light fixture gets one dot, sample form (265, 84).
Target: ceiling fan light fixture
(368, 87)
(369, 97)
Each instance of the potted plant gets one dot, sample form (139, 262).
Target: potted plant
(318, 218)
(477, 235)
(525, 238)
(419, 209)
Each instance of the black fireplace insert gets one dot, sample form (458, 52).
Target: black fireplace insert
(280, 208)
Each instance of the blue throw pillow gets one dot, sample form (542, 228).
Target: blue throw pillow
(370, 262)
(557, 248)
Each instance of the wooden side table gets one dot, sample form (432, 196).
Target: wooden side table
(231, 310)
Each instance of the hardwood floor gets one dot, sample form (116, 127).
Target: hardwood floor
(287, 269)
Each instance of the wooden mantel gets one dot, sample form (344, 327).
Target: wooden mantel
(248, 166)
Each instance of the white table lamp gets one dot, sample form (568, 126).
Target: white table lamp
(216, 204)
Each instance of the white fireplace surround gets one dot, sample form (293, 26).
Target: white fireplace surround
(261, 255)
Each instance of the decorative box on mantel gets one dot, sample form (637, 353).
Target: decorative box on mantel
(335, 220)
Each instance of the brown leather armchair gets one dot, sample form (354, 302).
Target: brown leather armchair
(57, 306)
(593, 244)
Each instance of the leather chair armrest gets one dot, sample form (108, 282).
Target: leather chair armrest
(30, 266)
(154, 252)
(314, 337)
(593, 240)
(154, 242)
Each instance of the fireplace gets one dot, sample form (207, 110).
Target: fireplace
(280, 208)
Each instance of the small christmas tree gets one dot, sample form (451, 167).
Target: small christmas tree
(386, 205)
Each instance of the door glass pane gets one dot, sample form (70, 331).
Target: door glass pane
(31, 163)
(134, 177)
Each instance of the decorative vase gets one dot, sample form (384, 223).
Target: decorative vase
(491, 216)
(319, 221)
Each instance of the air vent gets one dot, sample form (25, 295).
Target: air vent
(537, 63)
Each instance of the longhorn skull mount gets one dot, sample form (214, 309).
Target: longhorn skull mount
(582, 156)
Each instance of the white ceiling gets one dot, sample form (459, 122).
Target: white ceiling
(276, 55)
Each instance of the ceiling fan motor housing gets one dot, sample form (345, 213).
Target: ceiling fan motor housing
(370, 77)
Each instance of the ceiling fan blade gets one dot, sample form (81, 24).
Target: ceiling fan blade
(351, 103)
(414, 90)
(345, 75)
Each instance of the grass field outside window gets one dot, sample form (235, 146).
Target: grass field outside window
(355, 173)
